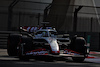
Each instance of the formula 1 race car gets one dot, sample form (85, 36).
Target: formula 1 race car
(46, 42)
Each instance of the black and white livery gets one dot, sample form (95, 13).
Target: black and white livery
(46, 42)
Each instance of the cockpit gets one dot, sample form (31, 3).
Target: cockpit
(46, 33)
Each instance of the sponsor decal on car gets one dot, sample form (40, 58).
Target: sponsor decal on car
(37, 52)
(71, 52)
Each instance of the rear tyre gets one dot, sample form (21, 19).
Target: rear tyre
(13, 41)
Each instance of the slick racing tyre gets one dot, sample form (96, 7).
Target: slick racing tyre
(13, 41)
(22, 57)
(78, 45)
(25, 45)
(28, 43)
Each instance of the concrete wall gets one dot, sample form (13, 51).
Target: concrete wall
(3, 21)
(61, 15)
(58, 13)
(25, 13)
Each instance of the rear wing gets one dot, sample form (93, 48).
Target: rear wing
(32, 29)
(29, 29)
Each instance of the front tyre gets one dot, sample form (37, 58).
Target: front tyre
(26, 44)
(78, 45)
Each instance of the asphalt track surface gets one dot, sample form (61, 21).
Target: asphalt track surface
(6, 61)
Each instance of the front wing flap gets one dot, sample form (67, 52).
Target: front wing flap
(44, 52)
